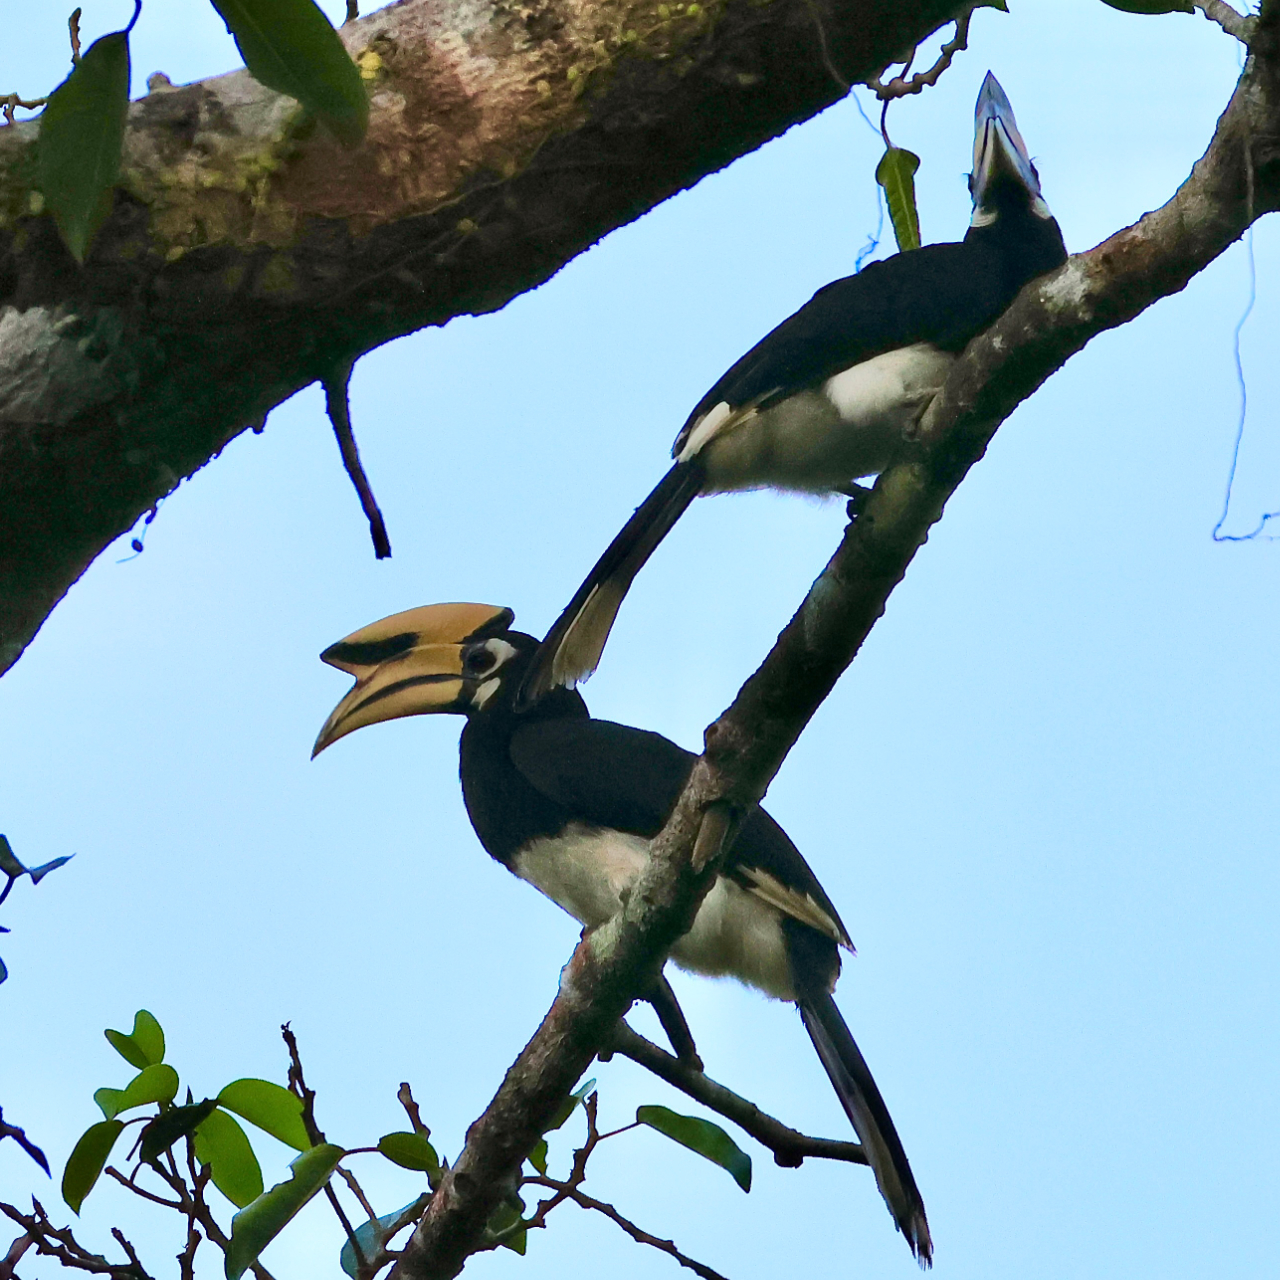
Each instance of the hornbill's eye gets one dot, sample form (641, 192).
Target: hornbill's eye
(479, 661)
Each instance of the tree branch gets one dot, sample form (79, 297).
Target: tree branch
(1237, 179)
(788, 1145)
(1230, 20)
(248, 253)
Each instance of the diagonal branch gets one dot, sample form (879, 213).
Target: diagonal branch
(248, 253)
(788, 1145)
(1237, 179)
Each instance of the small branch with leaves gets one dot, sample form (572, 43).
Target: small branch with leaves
(180, 1150)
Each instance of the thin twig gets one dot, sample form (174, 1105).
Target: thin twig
(299, 1087)
(1230, 20)
(638, 1234)
(405, 1097)
(788, 1145)
(73, 30)
(900, 86)
(11, 1259)
(9, 102)
(112, 1172)
(336, 1205)
(59, 1243)
(358, 1191)
(338, 406)
(353, 11)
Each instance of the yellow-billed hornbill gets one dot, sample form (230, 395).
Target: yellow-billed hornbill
(824, 399)
(569, 804)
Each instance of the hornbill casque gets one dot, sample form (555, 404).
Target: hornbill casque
(825, 398)
(569, 804)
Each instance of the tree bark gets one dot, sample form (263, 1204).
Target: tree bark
(248, 254)
(1236, 181)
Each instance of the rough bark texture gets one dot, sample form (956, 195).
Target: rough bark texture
(1237, 180)
(248, 253)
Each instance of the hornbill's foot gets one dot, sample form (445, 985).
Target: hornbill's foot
(667, 1007)
(857, 495)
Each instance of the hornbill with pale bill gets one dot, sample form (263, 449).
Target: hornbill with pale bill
(570, 804)
(827, 396)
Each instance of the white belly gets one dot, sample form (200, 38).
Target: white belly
(818, 441)
(736, 934)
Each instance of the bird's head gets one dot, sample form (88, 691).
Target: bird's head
(439, 658)
(1004, 181)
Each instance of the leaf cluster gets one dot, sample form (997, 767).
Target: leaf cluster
(287, 45)
(185, 1146)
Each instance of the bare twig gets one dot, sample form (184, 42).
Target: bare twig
(358, 1191)
(128, 1183)
(788, 1145)
(638, 1234)
(353, 11)
(11, 1259)
(570, 1188)
(59, 1243)
(10, 102)
(338, 406)
(299, 1087)
(405, 1097)
(900, 87)
(1230, 20)
(73, 30)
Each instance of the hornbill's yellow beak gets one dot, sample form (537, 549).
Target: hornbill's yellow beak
(409, 664)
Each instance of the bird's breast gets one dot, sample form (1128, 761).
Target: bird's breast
(588, 871)
(819, 439)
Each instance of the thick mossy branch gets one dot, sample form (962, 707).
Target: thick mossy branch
(248, 252)
(1237, 179)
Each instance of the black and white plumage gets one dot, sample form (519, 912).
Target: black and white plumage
(826, 397)
(569, 804)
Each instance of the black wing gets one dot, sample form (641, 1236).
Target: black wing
(613, 775)
(940, 293)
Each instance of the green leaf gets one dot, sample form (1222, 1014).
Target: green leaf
(538, 1156)
(257, 1224)
(290, 46)
(370, 1235)
(271, 1107)
(151, 1084)
(38, 873)
(81, 136)
(144, 1046)
(1152, 6)
(85, 1164)
(896, 174)
(9, 863)
(707, 1139)
(108, 1101)
(506, 1216)
(569, 1106)
(169, 1126)
(223, 1145)
(410, 1151)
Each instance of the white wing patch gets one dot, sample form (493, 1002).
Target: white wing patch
(708, 426)
(799, 906)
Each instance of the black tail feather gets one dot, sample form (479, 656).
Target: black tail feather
(861, 1099)
(572, 648)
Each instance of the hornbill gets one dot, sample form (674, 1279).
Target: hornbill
(569, 804)
(824, 399)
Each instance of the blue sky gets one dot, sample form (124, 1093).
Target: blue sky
(1042, 798)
